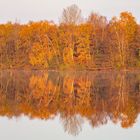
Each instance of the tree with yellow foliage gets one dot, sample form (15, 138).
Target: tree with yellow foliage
(124, 30)
(38, 56)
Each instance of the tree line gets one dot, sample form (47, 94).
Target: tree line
(74, 43)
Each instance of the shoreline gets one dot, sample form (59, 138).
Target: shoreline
(70, 70)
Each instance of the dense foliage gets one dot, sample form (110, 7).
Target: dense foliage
(76, 43)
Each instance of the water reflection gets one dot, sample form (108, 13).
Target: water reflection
(98, 97)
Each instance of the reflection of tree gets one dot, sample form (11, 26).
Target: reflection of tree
(98, 97)
(72, 124)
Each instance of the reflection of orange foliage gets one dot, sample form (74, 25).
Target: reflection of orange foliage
(37, 84)
(73, 95)
(68, 85)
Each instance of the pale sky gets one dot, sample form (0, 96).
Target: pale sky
(35, 10)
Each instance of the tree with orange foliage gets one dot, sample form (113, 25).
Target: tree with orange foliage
(82, 53)
(124, 30)
(38, 56)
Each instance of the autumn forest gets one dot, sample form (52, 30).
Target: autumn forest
(75, 43)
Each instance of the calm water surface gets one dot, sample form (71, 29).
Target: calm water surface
(40, 105)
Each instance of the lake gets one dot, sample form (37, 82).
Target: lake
(71, 105)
